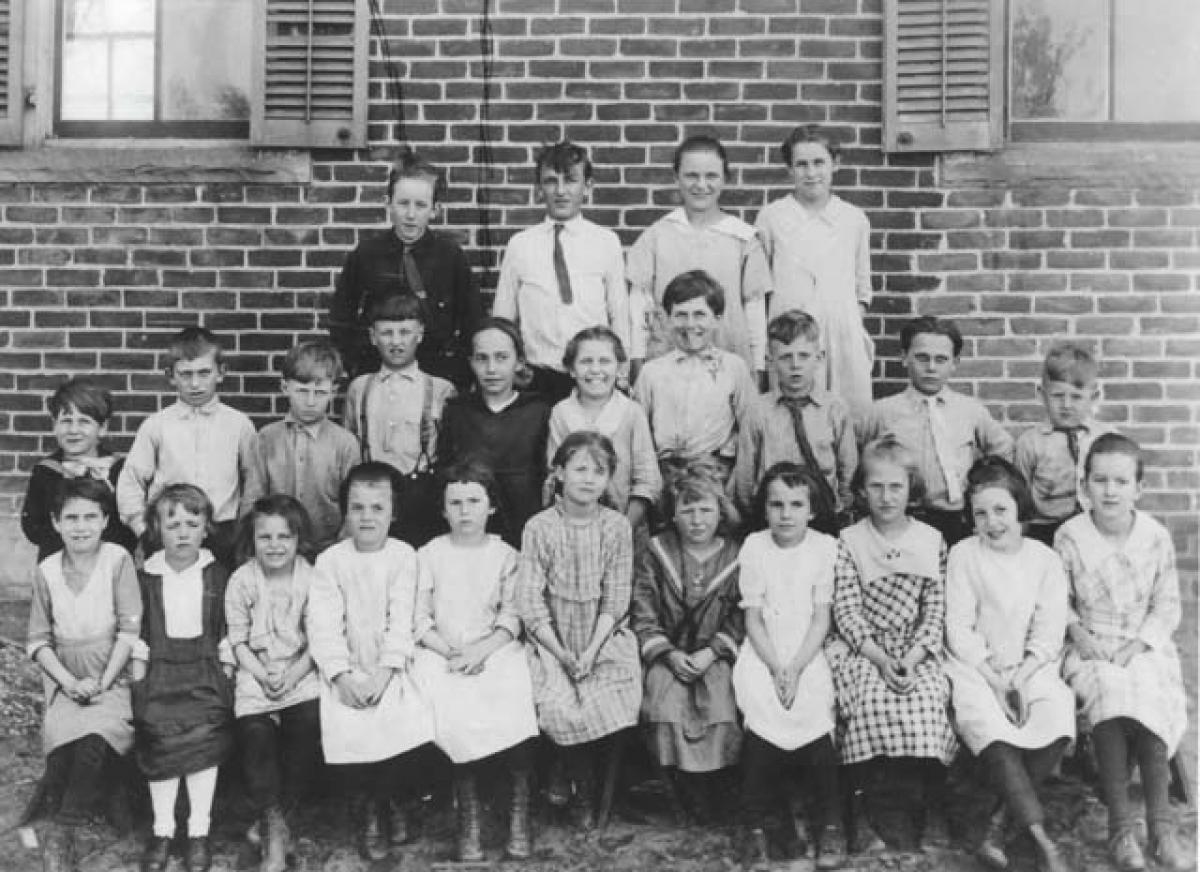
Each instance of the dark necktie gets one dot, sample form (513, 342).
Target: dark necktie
(1072, 434)
(796, 405)
(560, 267)
(412, 275)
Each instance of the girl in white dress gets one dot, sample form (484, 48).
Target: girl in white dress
(781, 680)
(360, 615)
(819, 247)
(470, 663)
(1121, 660)
(1006, 612)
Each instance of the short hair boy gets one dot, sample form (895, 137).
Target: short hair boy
(306, 455)
(564, 274)
(410, 260)
(797, 421)
(79, 411)
(1050, 455)
(196, 440)
(695, 395)
(946, 431)
(396, 413)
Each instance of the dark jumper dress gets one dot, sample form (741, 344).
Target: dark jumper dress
(183, 709)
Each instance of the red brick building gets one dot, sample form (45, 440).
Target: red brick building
(1023, 231)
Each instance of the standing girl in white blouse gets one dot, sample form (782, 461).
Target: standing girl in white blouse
(819, 247)
(1006, 613)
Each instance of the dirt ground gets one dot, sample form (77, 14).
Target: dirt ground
(641, 836)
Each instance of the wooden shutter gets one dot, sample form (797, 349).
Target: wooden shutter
(310, 87)
(943, 75)
(12, 88)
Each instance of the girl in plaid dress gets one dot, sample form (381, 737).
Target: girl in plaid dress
(781, 678)
(1121, 660)
(889, 607)
(573, 596)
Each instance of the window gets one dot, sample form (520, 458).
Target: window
(971, 74)
(287, 73)
(131, 68)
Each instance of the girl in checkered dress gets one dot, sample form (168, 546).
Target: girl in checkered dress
(889, 607)
(573, 597)
(1121, 659)
(781, 679)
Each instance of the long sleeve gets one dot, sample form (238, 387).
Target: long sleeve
(344, 308)
(468, 306)
(845, 450)
(862, 263)
(616, 296)
(531, 586)
(352, 407)
(931, 628)
(250, 472)
(239, 606)
(756, 286)
(325, 618)
(504, 304)
(138, 473)
(993, 439)
(1165, 611)
(616, 587)
(424, 618)
(508, 616)
(557, 431)
(733, 625)
(852, 625)
(639, 273)
(645, 477)
(1068, 552)
(745, 391)
(1048, 626)
(744, 478)
(962, 638)
(35, 511)
(646, 607)
(41, 627)
(398, 644)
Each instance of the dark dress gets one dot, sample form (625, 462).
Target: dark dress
(183, 709)
(512, 442)
(683, 604)
(44, 481)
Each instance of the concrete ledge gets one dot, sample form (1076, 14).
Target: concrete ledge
(120, 161)
(1076, 165)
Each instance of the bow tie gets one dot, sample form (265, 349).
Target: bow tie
(95, 467)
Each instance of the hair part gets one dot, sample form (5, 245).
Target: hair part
(887, 449)
(1115, 443)
(397, 307)
(699, 482)
(410, 165)
(793, 475)
(598, 333)
(809, 133)
(701, 144)
(192, 343)
(1071, 363)
(935, 326)
(176, 496)
(597, 446)
(311, 360)
(83, 487)
(996, 472)
(276, 506)
(691, 285)
(85, 395)
(562, 157)
(523, 377)
(786, 327)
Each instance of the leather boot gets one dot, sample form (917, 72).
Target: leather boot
(276, 842)
(372, 841)
(862, 838)
(519, 842)
(399, 830)
(467, 797)
(58, 848)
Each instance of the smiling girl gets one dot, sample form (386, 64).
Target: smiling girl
(700, 236)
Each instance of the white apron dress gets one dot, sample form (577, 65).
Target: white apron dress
(1120, 594)
(360, 617)
(787, 584)
(464, 594)
(1000, 608)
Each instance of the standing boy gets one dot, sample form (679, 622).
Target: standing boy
(946, 431)
(563, 275)
(396, 414)
(797, 422)
(695, 395)
(1050, 455)
(197, 440)
(409, 260)
(306, 455)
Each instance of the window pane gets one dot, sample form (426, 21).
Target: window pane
(206, 60)
(1059, 54)
(108, 60)
(1157, 76)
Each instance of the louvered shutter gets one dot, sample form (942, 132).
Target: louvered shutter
(943, 75)
(311, 75)
(12, 90)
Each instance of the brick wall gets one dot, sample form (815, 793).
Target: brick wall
(94, 277)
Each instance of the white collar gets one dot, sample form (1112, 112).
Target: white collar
(156, 564)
